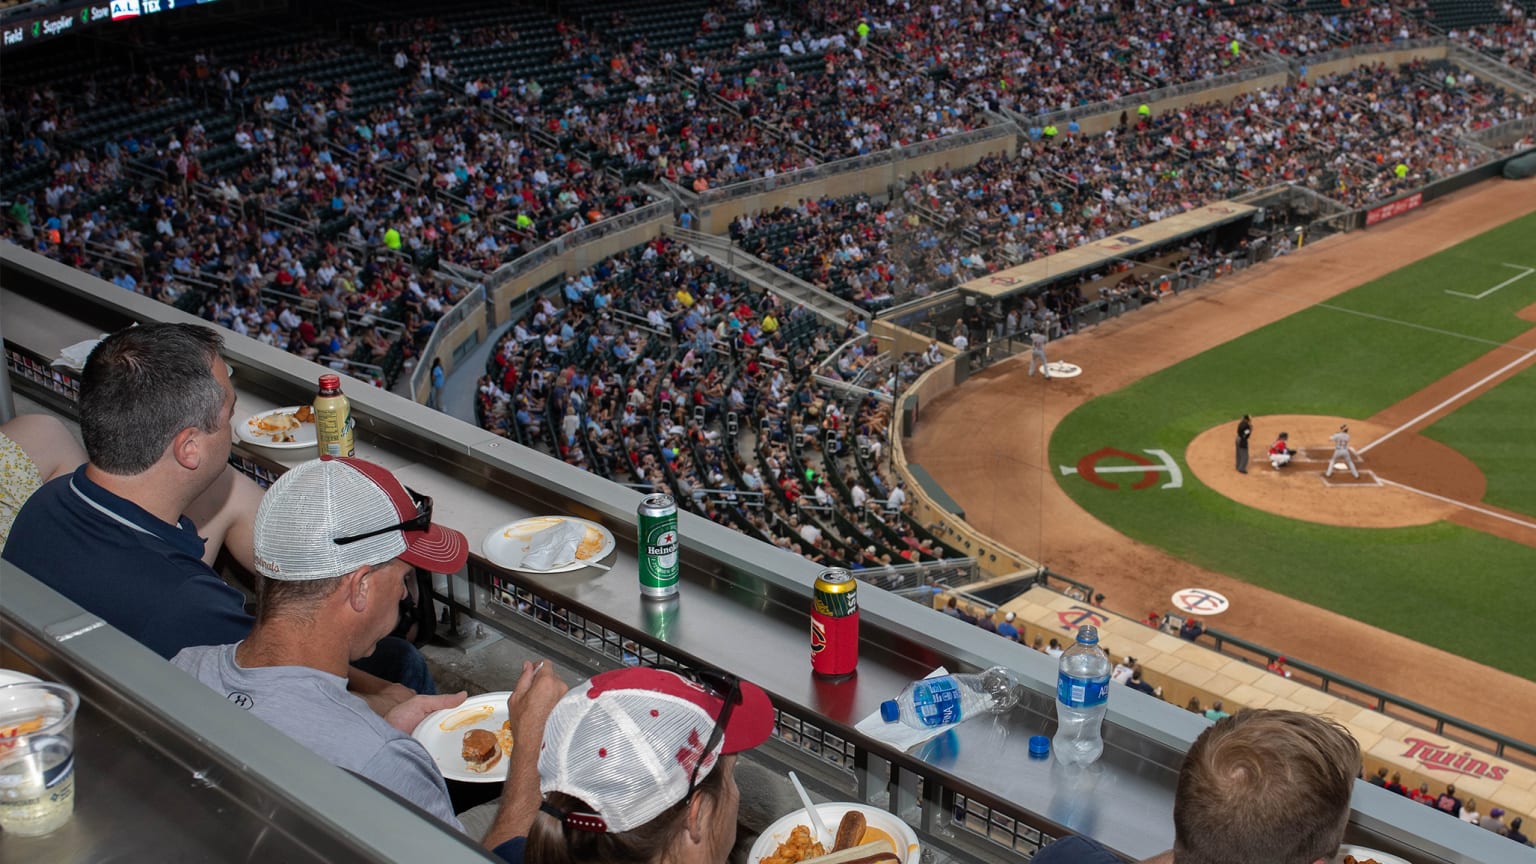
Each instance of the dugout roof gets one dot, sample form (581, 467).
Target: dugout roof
(1099, 253)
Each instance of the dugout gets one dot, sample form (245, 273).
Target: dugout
(1124, 271)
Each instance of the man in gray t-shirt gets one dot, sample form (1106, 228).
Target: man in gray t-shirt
(314, 708)
(336, 540)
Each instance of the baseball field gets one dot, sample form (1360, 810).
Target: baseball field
(1413, 577)
(1351, 359)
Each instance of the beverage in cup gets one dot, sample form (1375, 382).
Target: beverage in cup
(37, 757)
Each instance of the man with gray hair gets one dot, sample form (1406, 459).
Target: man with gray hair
(114, 536)
(155, 408)
(336, 540)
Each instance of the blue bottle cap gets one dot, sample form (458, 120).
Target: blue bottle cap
(1039, 746)
(889, 711)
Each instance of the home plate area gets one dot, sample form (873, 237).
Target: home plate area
(1318, 458)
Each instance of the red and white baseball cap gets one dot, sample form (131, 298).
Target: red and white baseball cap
(626, 742)
(328, 499)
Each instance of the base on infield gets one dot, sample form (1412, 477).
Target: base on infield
(1300, 491)
(1343, 480)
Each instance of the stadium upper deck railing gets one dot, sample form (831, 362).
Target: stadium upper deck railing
(855, 163)
(1309, 60)
(1503, 133)
(553, 249)
(1147, 97)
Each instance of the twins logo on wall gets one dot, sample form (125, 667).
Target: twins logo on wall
(1440, 757)
(1151, 470)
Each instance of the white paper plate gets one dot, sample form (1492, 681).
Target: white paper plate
(1363, 854)
(11, 676)
(447, 745)
(832, 813)
(250, 433)
(505, 546)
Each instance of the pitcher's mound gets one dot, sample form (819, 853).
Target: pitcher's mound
(1300, 491)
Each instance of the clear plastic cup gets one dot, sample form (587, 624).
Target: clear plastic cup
(37, 757)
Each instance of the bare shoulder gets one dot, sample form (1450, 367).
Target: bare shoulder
(47, 442)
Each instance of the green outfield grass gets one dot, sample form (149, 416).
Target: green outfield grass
(1442, 585)
(1497, 430)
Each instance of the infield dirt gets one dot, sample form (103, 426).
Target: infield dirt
(1003, 476)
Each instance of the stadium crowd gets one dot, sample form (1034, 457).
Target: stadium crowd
(317, 194)
(659, 370)
(264, 181)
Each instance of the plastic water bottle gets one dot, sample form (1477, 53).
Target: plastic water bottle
(947, 699)
(1082, 691)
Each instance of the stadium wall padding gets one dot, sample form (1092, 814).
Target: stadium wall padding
(1521, 168)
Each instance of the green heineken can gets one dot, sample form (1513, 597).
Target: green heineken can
(660, 616)
(658, 546)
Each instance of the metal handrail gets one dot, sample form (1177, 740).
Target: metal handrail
(855, 163)
(474, 300)
(1148, 97)
(1503, 745)
(1373, 48)
(1516, 129)
(554, 248)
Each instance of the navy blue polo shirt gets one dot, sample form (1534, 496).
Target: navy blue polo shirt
(122, 564)
(512, 851)
(1075, 849)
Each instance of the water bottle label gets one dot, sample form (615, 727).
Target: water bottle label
(937, 701)
(1081, 692)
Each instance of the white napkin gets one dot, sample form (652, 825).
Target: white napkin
(74, 356)
(554, 546)
(897, 733)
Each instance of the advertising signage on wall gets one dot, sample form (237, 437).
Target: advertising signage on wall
(60, 19)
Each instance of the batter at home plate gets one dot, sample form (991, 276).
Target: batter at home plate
(1343, 455)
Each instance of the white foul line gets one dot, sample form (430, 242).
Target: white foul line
(1513, 279)
(1409, 324)
(1521, 522)
(1468, 389)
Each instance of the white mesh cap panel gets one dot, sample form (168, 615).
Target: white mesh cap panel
(628, 754)
(310, 506)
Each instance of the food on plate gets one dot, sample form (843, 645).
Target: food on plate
(850, 831)
(878, 852)
(504, 736)
(856, 843)
(1350, 859)
(280, 425)
(799, 847)
(278, 422)
(528, 527)
(467, 717)
(481, 751)
(875, 835)
(25, 727)
(590, 543)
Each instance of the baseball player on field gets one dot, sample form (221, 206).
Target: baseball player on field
(1342, 452)
(1280, 452)
(1037, 353)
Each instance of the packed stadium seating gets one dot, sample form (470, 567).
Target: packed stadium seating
(325, 188)
(659, 370)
